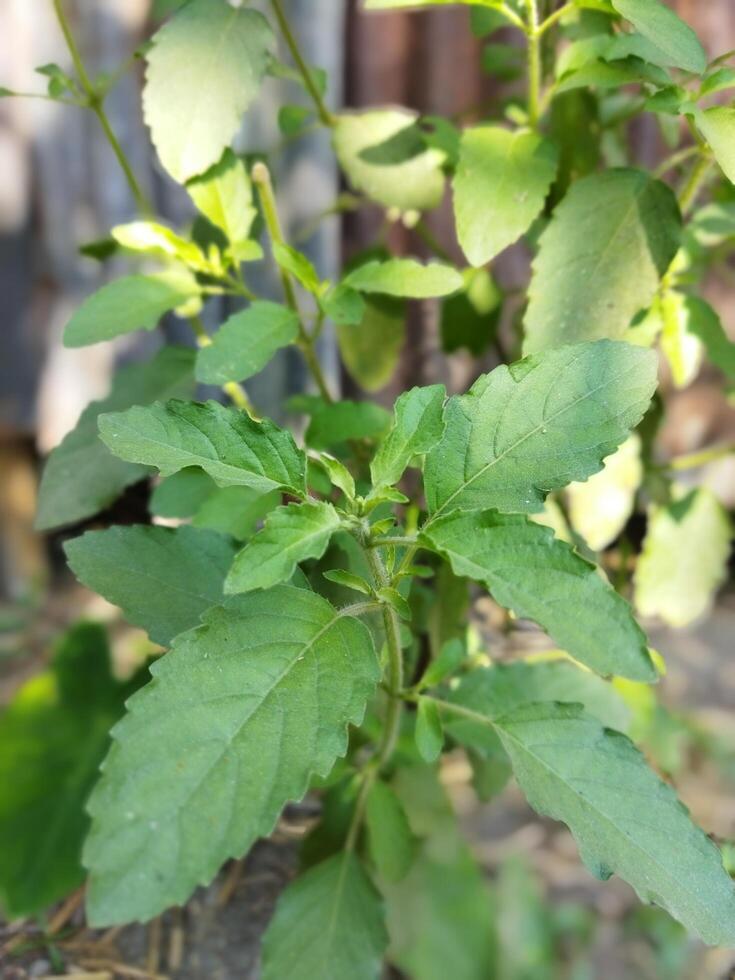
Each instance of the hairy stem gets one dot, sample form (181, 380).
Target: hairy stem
(262, 179)
(96, 103)
(690, 191)
(392, 722)
(534, 63)
(325, 116)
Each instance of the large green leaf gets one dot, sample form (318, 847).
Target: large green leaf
(391, 843)
(625, 819)
(537, 425)
(405, 278)
(162, 578)
(228, 445)
(384, 157)
(541, 578)
(601, 258)
(500, 186)
(128, 304)
(328, 924)
(204, 69)
(684, 558)
(717, 125)
(224, 195)
(417, 427)
(659, 24)
(289, 536)
(238, 716)
(81, 476)
(246, 342)
(53, 736)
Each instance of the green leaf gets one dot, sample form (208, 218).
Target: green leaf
(371, 348)
(328, 924)
(500, 186)
(348, 580)
(541, 578)
(679, 344)
(238, 716)
(705, 324)
(412, 183)
(429, 733)
(333, 425)
(717, 125)
(405, 278)
(297, 264)
(224, 195)
(499, 690)
(344, 306)
(604, 75)
(246, 342)
(659, 24)
(450, 657)
(289, 536)
(228, 445)
(128, 304)
(470, 318)
(599, 509)
(601, 258)
(81, 477)
(625, 820)
(236, 511)
(151, 238)
(182, 494)
(391, 844)
(205, 67)
(162, 578)
(537, 425)
(53, 736)
(684, 558)
(418, 425)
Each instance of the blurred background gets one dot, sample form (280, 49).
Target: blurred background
(60, 187)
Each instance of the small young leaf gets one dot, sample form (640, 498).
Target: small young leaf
(162, 578)
(81, 477)
(667, 31)
(228, 445)
(429, 732)
(344, 306)
(417, 427)
(624, 818)
(224, 195)
(405, 278)
(328, 924)
(396, 601)
(289, 536)
(679, 344)
(53, 736)
(500, 187)
(350, 581)
(684, 558)
(150, 238)
(538, 425)
(601, 258)
(338, 474)
(128, 304)
(205, 67)
(299, 266)
(246, 342)
(705, 324)
(414, 182)
(392, 845)
(717, 125)
(211, 750)
(450, 657)
(536, 576)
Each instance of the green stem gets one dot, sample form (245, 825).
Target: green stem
(429, 239)
(556, 16)
(397, 540)
(693, 460)
(690, 191)
(262, 179)
(675, 160)
(512, 16)
(232, 389)
(392, 723)
(534, 63)
(325, 116)
(96, 103)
